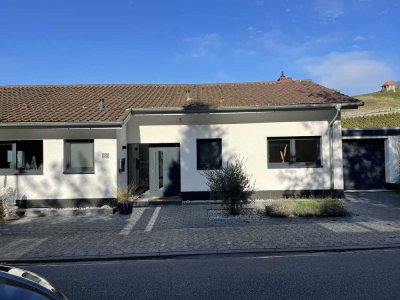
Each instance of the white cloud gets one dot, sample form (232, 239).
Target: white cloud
(287, 47)
(204, 45)
(244, 52)
(350, 72)
(329, 10)
(359, 38)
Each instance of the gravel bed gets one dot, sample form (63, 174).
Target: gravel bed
(248, 215)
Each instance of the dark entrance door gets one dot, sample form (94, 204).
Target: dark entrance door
(165, 171)
(364, 164)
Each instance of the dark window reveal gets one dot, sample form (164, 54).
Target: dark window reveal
(21, 157)
(79, 157)
(209, 154)
(294, 152)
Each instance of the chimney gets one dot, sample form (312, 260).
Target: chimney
(283, 78)
(102, 104)
(188, 95)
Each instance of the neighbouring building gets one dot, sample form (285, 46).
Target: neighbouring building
(389, 86)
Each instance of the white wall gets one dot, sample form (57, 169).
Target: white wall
(53, 184)
(244, 135)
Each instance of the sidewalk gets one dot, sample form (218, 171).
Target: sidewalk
(187, 230)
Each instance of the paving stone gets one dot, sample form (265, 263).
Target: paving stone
(183, 228)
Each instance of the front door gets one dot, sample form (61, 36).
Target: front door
(165, 171)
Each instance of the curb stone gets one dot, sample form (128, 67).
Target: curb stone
(199, 253)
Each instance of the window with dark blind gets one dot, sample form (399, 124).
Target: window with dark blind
(209, 154)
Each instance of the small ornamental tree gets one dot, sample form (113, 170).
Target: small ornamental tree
(231, 184)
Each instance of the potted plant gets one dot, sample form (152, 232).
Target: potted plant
(125, 197)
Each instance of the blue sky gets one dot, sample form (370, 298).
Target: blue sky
(350, 45)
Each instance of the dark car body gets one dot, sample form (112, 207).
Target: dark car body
(17, 283)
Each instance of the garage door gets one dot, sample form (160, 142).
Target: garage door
(364, 164)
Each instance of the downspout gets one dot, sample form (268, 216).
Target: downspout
(330, 128)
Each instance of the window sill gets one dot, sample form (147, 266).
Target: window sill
(294, 166)
(77, 172)
(208, 169)
(21, 172)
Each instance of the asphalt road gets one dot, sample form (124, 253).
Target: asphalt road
(349, 275)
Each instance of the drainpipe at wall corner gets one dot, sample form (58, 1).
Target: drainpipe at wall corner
(330, 128)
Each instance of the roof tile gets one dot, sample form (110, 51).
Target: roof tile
(79, 103)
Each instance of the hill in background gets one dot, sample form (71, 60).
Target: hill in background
(381, 109)
(376, 103)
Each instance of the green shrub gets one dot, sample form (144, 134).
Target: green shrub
(332, 208)
(306, 208)
(280, 209)
(231, 184)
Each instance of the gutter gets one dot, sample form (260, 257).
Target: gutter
(227, 109)
(330, 125)
(32, 125)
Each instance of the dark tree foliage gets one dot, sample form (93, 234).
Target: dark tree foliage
(231, 184)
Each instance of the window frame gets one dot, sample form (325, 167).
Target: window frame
(292, 149)
(15, 170)
(67, 158)
(201, 167)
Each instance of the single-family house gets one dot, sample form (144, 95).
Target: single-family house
(389, 86)
(72, 145)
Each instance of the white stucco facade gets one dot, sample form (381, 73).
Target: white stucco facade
(245, 135)
(53, 183)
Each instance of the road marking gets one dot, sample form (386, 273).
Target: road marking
(153, 219)
(136, 214)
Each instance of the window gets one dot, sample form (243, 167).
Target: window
(79, 157)
(294, 152)
(21, 157)
(209, 154)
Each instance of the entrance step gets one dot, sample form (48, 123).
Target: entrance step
(158, 201)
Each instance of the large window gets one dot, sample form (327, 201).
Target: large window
(79, 157)
(21, 157)
(209, 154)
(294, 152)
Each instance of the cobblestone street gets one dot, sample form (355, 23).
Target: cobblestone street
(187, 229)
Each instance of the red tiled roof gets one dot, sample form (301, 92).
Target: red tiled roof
(388, 83)
(80, 103)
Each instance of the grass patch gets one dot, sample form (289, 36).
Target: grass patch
(385, 120)
(379, 101)
(306, 208)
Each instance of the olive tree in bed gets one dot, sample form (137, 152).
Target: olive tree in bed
(231, 184)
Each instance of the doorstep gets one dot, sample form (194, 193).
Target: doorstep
(158, 201)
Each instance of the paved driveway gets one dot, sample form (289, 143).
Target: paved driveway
(187, 228)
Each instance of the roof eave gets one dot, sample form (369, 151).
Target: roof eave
(227, 109)
(77, 125)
